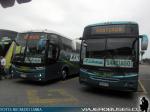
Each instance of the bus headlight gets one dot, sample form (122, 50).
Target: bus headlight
(39, 68)
(41, 75)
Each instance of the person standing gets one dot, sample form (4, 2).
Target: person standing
(3, 63)
(0, 69)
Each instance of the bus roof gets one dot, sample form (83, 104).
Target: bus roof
(112, 23)
(46, 31)
(65, 40)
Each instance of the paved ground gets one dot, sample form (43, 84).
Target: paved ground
(18, 92)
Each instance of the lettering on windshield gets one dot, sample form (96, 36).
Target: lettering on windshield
(32, 60)
(119, 63)
(93, 62)
(108, 62)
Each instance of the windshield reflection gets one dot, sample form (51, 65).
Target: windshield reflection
(122, 48)
(32, 47)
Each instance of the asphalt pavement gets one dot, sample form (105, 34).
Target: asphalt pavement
(18, 92)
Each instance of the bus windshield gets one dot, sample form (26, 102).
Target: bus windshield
(110, 48)
(33, 46)
(111, 52)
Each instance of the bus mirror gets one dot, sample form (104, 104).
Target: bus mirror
(85, 44)
(144, 42)
(80, 38)
(73, 45)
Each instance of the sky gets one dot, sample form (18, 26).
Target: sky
(69, 17)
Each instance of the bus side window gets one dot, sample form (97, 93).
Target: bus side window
(53, 38)
(50, 51)
(53, 46)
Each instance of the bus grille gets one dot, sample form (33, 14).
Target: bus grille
(104, 79)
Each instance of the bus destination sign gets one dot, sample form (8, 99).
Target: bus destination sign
(111, 29)
(31, 37)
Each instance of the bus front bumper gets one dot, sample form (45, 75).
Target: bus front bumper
(129, 82)
(35, 75)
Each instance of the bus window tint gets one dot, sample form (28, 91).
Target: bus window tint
(95, 48)
(95, 44)
(53, 46)
(50, 51)
(34, 42)
(53, 39)
(41, 46)
(120, 46)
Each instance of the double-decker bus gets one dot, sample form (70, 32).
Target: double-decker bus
(110, 55)
(7, 46)
(45, 55)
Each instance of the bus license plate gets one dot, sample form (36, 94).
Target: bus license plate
(23, 75)
(104, 84)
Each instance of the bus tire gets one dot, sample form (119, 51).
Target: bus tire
(64, 73)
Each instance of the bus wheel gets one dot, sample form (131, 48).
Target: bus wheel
(64, 74)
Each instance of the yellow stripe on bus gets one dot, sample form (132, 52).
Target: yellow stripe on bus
(8, 55)
(10, 52)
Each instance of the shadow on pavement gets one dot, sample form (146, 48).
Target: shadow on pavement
(38, 83)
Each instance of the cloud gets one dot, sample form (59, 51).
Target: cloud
(69, 17)
(47, 10)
